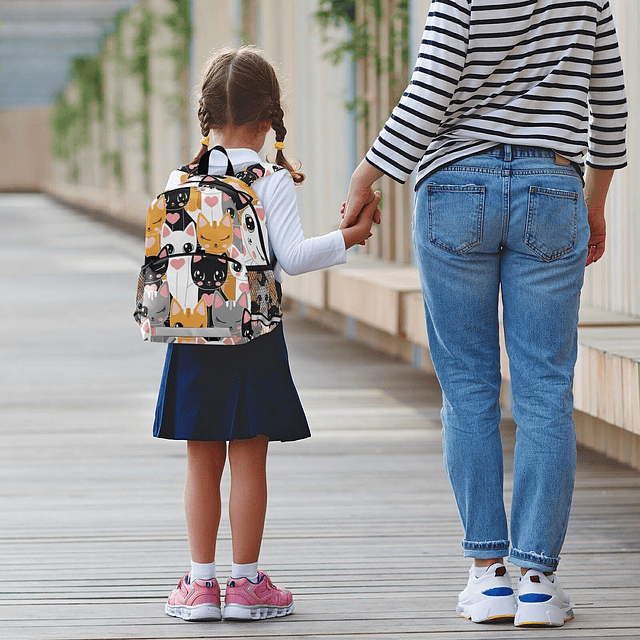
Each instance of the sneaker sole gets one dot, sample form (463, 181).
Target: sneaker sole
(194, 613)
(541, 615)
(255, 612)
(491, 609)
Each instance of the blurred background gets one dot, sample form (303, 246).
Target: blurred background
(97, 106)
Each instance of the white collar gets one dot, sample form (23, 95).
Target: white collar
(240, 158)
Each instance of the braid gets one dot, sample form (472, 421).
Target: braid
(203, 117)
(205, 126)
(277, 124)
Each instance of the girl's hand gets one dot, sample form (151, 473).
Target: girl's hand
(344, 206)
(360, 232)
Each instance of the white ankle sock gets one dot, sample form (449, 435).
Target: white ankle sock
(478, 572)
(205, 571)
(249, 571)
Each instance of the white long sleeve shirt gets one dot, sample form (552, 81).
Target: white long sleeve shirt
(543, 73)
(294, 253)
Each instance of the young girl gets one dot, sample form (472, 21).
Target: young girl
(241, 394)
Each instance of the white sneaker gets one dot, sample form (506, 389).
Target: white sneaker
(541, 601)
(489, 597)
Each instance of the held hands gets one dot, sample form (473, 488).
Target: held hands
(360, 193)
(360, 231)
(361, 207)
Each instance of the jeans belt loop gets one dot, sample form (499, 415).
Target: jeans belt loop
(507, 152)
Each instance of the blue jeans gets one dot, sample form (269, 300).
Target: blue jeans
(510, 219)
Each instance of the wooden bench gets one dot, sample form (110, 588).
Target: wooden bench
(607, 390)
(373, 293)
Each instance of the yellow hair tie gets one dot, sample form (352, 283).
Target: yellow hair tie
(279, 146)
(205, 141)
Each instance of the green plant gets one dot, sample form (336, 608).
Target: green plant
(70, 120)
(179, 23)
(336, 12)
(343, 13)
(140, 58)
(86, 78)
(139, 65)
(399, 39)
(72, 117)
(63, 117)
(87, 75)
(361, 42)
(113, 159)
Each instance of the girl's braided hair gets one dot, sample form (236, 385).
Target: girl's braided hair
(239, 86)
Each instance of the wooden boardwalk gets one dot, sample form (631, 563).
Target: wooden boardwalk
(361, 525)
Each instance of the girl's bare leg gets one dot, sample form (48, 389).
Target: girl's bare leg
(248, 499)
(205, 463)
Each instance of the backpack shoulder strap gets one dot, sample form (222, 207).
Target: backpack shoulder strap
(201, 168)
(203, 165)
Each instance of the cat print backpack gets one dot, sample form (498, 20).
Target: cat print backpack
(207, 277)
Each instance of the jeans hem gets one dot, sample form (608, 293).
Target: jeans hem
(485, 550)
(531, 560)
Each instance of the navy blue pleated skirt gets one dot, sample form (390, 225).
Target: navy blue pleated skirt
(229, 392)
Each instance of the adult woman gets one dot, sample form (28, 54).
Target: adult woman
(496, 117)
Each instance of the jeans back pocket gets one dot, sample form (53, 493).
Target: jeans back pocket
(456, 215)
(552, 222)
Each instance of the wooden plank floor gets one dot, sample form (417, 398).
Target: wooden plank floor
(361, 525)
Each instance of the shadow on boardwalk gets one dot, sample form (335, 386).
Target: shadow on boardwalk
(361, 526)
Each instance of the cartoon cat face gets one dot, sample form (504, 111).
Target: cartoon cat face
(215, 237)
(256, 252)
(193, 318)
(209, 273)
(233, 315)
(155, 219)
(156, 304)
(182, 205)
(155, 270)
(176, 199)
(177, 242)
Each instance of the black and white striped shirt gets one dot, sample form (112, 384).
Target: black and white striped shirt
(543, 73)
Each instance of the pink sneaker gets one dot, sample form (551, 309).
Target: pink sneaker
(197, 600)
(246, 600)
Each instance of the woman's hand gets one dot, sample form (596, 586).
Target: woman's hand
(598, 229)
(361, 194)
(596, 187)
